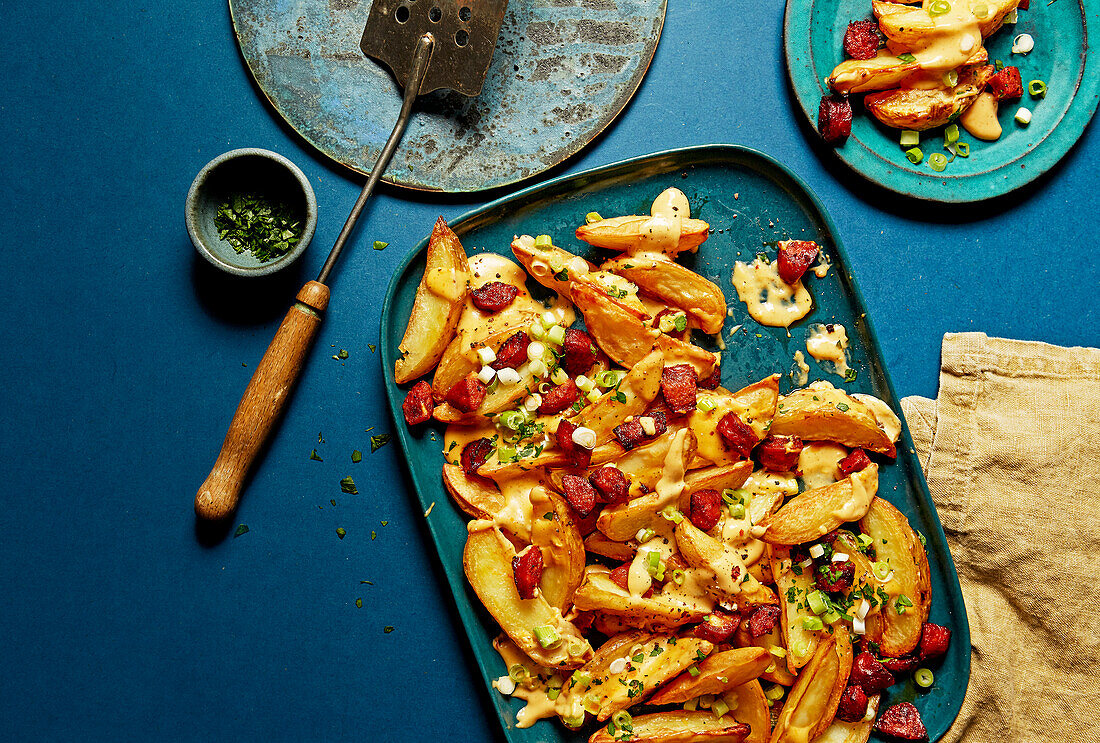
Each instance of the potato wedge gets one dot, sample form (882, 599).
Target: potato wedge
(777, 671)
(821, 412)
(633, 395)
(624, 233)
(562, 547)
(927, 108)
(812, 702)
(721, 477)
(621, 334)
(675, 285)
(600, 544)
(599, 593)
(437, 306)
(897, 545)
(622, 521)
(878, 73)
(679, 727)
(539, 265)
(487, 562)
(718, 673)
(755, 405)
(817, 512)
(748, 704)
(912, 26)
(732, 580)
(851, 732)
(792, 586)
(662, 657)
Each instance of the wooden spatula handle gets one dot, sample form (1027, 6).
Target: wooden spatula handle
(262, 402)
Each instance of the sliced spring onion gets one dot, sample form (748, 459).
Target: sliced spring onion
(553, 692)
(1037, 88)
(486, 374)
(536, 331)
(518, 672)
(705, 404)
(508, 376)
(1012, 16)
(864, 541)
(543, 242)
(909, 138)
(505, 685)
(907, 58)
(591, 703)
(939, 7)
(774, 693)
(548, 319)
(623, 720)
(777, 651)
(512, 419)
(691, 705)
(818, 550)
(506, 453)
(951, 134)
(831, 617)
(923, 677)
(592, 217)
(812, 623)
(678, 577)
(594, 395)
(981, 10)
(556, 335)
(1023, 44)
(816, 602)
(950, 79)
(547, 636)
(737, 510)
(937, 161)
(538, 368)
(962, 149)
(914, 155)
(881, 569)
(584, 383)
(719, 707)
(644, 535)
(1023, 116)
(694, 671)
(560, 376)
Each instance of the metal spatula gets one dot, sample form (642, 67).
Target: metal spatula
(428, 45)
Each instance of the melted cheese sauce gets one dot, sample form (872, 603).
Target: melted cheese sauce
(981, 118)
(803, 375)
(661, 232)
(818, 462)
(445, 283)
(770, 300)
(956, 36)
(829, 343)
(864, 487)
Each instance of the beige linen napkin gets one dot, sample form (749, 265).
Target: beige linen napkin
(1011, 451)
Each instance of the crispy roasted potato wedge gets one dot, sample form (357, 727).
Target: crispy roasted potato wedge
(676, 286)
(821, 412)
(755, 405)
(621, 521)
(851, 732)
(812, 702)
(635, 392)
(927, 108)
(599, 593)
(912, 26)
(561, 544)
(437, 306)
(897, 544)
(777, 671)
(483, 500)
(879, 73)
(800, 642)
(539, 265)
(663, 657)
(815, 513)
(600, 544)
(487, 562)
(680, 727)
(748, 704)
(732, 580)
(718, 673)
(621, 334)
(624, 233)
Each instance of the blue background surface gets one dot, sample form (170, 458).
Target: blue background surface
(125, 358)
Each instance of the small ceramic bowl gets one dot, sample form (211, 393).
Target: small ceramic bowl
(251, 170)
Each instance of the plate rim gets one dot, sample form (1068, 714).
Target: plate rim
(1003, 179)
(683, 157)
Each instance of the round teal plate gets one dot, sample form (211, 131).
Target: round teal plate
(750, 201)
(813, 41)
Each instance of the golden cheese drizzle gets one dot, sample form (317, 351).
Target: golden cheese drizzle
(818, 462)
(444, 283)
(660, 233)
(770, 300)
(829, 343)
(803, 375)
(887, 419)
(956, 36)
(980, 119)
(864, 488)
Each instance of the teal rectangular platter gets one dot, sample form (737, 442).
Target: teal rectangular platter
(751, 202)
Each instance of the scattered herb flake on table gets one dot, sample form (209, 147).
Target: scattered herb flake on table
(315, 457)
(371, 347)
(379, 245)
(356, 456)
(387, 629)
(251, 222)
(358, 603)
(242, 529)
(341, 532)
(347, 485)
(377, 442)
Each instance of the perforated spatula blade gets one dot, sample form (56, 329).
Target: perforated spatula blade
(463, 34)
(428, 45)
